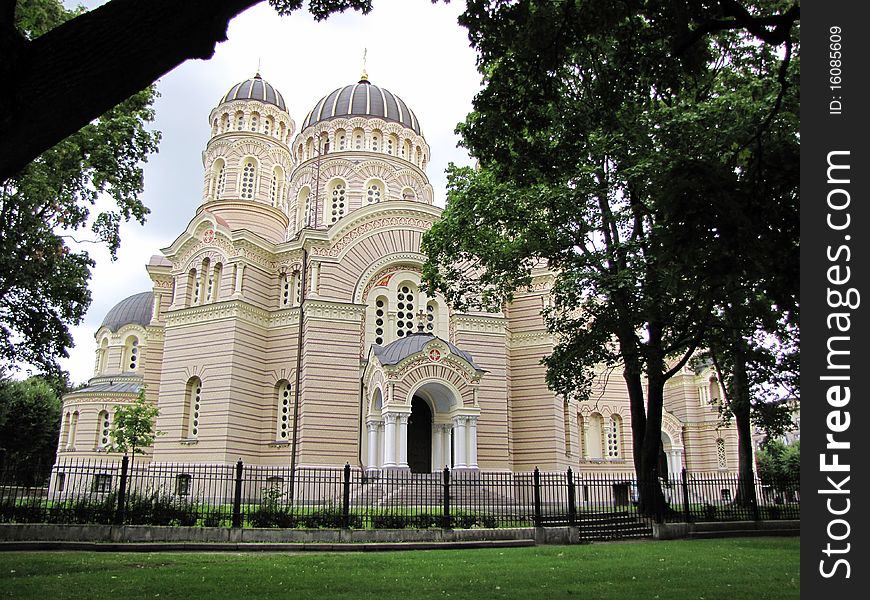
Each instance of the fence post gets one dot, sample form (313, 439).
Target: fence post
(754, 495)
(345, 499)
(686, 511)
(237, 496)
(122, 491)
(446, 524)
(537, 481)
(572, 499)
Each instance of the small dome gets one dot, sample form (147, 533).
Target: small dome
(255, 88)
(397, 351)
(133, 310)
(363, 99)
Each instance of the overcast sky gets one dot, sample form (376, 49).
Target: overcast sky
(415, 49)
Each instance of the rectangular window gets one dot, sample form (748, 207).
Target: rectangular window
(60, 481)
(102, 483)
(182, 484)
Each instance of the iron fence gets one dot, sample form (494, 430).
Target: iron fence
(219, 495)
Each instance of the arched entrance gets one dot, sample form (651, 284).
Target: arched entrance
(420, 437)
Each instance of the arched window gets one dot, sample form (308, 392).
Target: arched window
(381, 305)
(194, 407)
(214, 282)
(374, 192)
(303, 205)
(286, 289)
(283, 411)
(714, 390)
(249, 171)
(418, 156)
(73, 427)
(721, 457)
(276, 187)
(406, 149)
(309, 148)
(103, 356)
(595, 443)
(103, 429)
(614, 437)
(268, 125)
(405, 305)
(64, 432)
(240, 121)
(392, 144)
(214, 127)
(255, 121)
(219, 178)
(131, 354)
(431, 316)
(408, 194)
(376, 141)
(340, 140)
(225, 123)
(193, 287)
(581, 437)
(358, 137)
(338, 196)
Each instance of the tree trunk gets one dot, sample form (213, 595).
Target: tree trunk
(59, 82)
(740, 402)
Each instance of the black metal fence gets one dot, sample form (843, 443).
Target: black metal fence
(113, 491)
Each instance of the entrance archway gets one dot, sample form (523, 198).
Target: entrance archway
(420, 437)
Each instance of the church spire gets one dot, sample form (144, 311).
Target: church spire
(364, 78)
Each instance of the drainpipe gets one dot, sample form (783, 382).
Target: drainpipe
(304, 276)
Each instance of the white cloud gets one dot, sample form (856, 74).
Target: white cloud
(414, 48)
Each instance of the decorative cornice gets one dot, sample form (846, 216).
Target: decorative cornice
(529, 339)
(480, 323)
(219, 311)
(334, 311)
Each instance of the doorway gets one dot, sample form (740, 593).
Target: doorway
(420, 437)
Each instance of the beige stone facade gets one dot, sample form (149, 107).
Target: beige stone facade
(287, 317)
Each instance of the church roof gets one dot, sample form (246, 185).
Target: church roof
(363, 99)
(255, 88)
(133, 310)
(395, 352)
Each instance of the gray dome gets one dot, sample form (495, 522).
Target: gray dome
(255, 88)
(395, 352)
(363, 99)
(133, 310)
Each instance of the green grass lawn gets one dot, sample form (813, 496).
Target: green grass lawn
(726, 569)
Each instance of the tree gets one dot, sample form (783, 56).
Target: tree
(572, 135)
(29, 427)
(100, 58)
(133, 426)
(43, 284)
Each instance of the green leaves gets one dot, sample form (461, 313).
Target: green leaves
(43, 283)
(133, 425)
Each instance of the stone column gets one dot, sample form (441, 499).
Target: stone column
(447, 432)
(472, 442)
(240, 275)
(372, 427)
(380, 450)
(459, 443)
(437, 447)
(390, 440)
(315, 278)
(402, 460)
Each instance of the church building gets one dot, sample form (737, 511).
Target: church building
(286, 324)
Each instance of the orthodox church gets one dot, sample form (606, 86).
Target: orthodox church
(286, 324)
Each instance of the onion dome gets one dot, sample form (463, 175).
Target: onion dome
(363, 99)
(134, 310)
(395, 352)
(255, 88)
